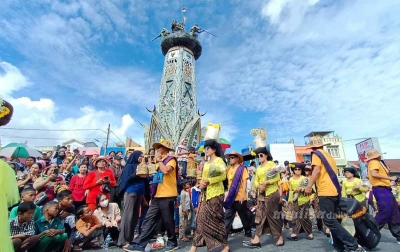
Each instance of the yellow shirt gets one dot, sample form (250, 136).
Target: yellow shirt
(358, 194)
(376, 165)
(215, 187)
(294, 184)
(325, 185)
(261, 176)
(230, 172)
(169, 187)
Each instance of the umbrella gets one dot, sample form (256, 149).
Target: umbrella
(225, 144)
(19, 150)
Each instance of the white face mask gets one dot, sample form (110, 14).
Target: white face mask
(104, 203)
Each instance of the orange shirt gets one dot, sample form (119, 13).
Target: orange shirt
(376, 165)
(169, 187)
(82, 226)
(230, 173)
(324, 182)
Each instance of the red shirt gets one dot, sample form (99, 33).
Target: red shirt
(76, 186)
(94, 190)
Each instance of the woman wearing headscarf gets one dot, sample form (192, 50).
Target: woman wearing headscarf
(266, 183)
(132, 186)
(352, 186)
(210, 230)
(300, 201)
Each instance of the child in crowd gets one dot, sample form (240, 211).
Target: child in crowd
(76, 186)
(195, 200)
(66, 209)
(51, 229)
(88, 228)
(186, 207)
(27, 195)
(23, 229)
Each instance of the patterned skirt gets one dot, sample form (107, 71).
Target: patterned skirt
(301, 219)
(210, 227)
(268, 215)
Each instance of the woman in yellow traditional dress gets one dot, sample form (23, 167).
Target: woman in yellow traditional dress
(9, 194)
(301, 203)
(352, 186)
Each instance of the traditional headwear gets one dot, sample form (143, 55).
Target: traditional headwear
(6, 112)
(212, 132)
(164, 143)
(260, 140)
(302, 166)
(372, 154)
(236, 154)
(94, 163)
(316, 142)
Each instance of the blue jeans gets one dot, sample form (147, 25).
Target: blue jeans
(184, 167)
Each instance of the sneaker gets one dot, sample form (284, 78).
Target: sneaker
(170, 248)
(134, 248)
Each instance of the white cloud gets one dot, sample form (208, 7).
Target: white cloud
(44, 114)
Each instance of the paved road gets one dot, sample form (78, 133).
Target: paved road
(320, 243)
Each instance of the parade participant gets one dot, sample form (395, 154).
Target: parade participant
(182, 152)
(352, 186)
(301, 204)
(9, 195)
(132, 187)
(211, 229)
(314, 202)
(164, 192)
(325, 174)
(388, 210)
(267, 200)
(100, 180)
(236, 200)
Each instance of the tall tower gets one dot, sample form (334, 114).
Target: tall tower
(176, 116)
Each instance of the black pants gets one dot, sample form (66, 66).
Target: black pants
(230, 214)
(159, 208)
(342, 239)
(113, 231)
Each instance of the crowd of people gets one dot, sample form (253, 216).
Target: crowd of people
(72, 202)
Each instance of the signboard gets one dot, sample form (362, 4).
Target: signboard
(362, 149)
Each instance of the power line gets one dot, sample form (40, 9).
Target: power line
(49, 138)
(116, 136)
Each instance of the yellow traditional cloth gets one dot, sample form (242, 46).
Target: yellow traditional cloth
(9, 196)
(347, 189)
(398, 193)
(261, 176)
(215, 187)
(294, 184)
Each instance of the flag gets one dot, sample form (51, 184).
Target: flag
(183, 9)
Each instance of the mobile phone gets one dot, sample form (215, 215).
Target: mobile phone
(56, 171)
(106, 178)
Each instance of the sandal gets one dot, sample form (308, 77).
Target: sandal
(184, 239)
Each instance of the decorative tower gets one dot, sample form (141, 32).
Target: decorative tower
(176, 116)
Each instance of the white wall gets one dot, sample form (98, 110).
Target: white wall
(283, 152)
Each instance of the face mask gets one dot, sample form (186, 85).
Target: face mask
(104, 203)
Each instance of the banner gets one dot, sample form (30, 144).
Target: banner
(362, 149)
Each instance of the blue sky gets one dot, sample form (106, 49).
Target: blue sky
(290, 66)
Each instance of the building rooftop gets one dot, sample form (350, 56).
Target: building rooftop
(318, 133)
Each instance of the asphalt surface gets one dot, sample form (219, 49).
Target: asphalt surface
(320, 243)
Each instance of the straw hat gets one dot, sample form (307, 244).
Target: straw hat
(94, 163)
(372, 154)
(316, 142)
(164, 143)
(236, 154)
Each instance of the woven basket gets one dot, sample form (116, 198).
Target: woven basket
(142, 169)
(191, 173)
(152, 169)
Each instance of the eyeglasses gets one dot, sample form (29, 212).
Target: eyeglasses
(207, 148)
(260, 155)
(297, 169)
(232, 157)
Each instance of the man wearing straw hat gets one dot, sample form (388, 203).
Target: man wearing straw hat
(164, 193)
(324, 172)
(388, 210)
(236, 199)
